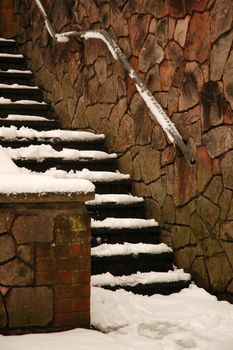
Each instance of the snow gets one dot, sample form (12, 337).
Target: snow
(42, 152)
(191, 319)
(107, 279)
(93, 176)
(115, 223)
(25, 118)
(11, 55)
(12, 133)
(129, 249)
(16, 71)
(97, 35)
(10, 40)
(115, 198)
(17, 86)
(24, 102)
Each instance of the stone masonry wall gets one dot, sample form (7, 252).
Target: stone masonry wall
(44, 267)
(183, 51)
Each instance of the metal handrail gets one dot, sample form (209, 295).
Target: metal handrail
(158, 112)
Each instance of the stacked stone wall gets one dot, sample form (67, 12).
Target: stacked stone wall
(44, 267)
(183, 52)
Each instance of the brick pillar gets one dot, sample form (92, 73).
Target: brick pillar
(8, 20)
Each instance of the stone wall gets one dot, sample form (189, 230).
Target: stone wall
(183, 51)
(44, 266)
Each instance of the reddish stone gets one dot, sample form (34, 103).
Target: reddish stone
(150, 54)
(137, 37)
(162, 32)
(227, 80)
(167, 71)
(181, 30)
(4, 290)
(75, 319)
(227, 114)
(197, 46)
(204, 169)
(175, 53)
(16, 273)
(168, 155)
(176, 8)
(153, 81)
(173, 98)
(7, 250)
(196, 5)
(221, 18)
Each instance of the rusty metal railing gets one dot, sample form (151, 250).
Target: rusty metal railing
(158, 112)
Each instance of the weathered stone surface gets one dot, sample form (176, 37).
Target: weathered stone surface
(226, 164)
(168, 155)
(184, 257)
(69, 228)
(208, 211)
(26, 252)
(181, 30)
(224, 203)
(150, 164)
(219, 140)
(3, 317)
(15, 273)
(227, 81)
(167, 71)
(101, 69)
(180, 236)
(162, 32)
(108, 91)
(169, 211)
(228, 247)
(150, 54)
(125, 136)
(211, 99)
(185, 183)
(219, 56)
(183, 125)
(199, 272)
(153, 210)
(125, 163)
(6, 219)
(183, 215)
(214, 189)
(175, 53)
(157, 191)
(230, 214)
(221, 18)
(197, 47)
(197, 5)
(143, 137)
(226, 231)
(204, 168)
(172, 100)
(220, 272)
(95, 113)
(7, 249)
(192, 84)
(211, 247)
(30, 307)
(153, 79)
(137, 37)
(198, 228)
(158, 138)
(33, 228)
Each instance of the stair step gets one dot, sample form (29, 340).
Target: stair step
(42, 157)
(147, 283)
(58, 139)
(115, 205)
(23, 107)
(13, 76)
(8, 46)
(114, 230)
(127, 258)
(31, 122)
(12, 61)
(17, 92)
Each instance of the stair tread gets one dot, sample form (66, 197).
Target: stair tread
(9, 102)
(23, 118)
(15, 72)
(17, 87)
(43, 152)
(24, 133)
(115, 199)
(11, 55)
(140, 278)
(126, 249)
(123, 223)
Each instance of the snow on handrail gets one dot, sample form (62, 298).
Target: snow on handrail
(158, 112)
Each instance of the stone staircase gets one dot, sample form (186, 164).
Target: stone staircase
(126, 252)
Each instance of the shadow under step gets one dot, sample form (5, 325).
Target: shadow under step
(22, 108)
(15, 92)
(119, 265)
(17, 77)
(38, 125)
(8, 46)
(12, 61)
(148, 283)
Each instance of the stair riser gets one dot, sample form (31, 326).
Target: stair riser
(8, 48)
(100, 213)
(160, 288)
(39, 110)
(34, 125)
(34, 95)
(129, 265)
(121, 237)
(57, 145)
(67, 166)
(12, 78)
(117, 188)
(12, 64)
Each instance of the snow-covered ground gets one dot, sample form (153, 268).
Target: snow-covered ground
(191, 319)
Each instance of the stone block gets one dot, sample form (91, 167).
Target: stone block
(16, 273)
(150, 164)
(33, 228)
(137, 37)
(3, 316)
(214, 189)
(158, 192)
(150, 54)
(220, 272)
(6, 220)
(199, 272)
(224, 203)
(221, 18)
(181, 30)
(184, 257)
(226, 164)
(169, 210)
(226, 231)
(219, 140)
(227, 81)
(175, 53)
(212, 103)
(167, 71)
(7, 250)
(180, 236)
(26, 252)
(208, 211)
(204, 168)
(72, 228)
(162, 32)
(28, 307)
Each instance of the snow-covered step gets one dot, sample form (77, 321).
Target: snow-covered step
(11, 61)
(128, 258)
(18, 91)
(42, 157)
(120, 230)
(23, 107)
(116, 205)
(147, 283)
(16, 76)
